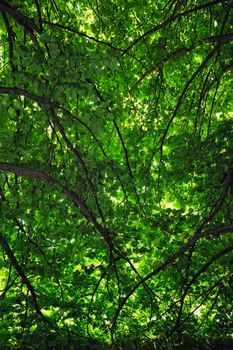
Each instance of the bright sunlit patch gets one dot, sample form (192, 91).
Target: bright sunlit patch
(49, 130)
(89, 19)
(3, 274)
(70, 321)
(197, 58)
(78, 268)
(115, 200)
(169, 205)
(50, 312)
(218, 115)
(197, 312)
(166, 204)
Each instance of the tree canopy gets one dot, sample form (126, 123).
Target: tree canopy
(116, 174)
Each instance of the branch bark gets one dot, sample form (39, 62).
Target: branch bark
(194, 279)
(74, 197)
(9, 252)
(22, 92)
(82, 34)
(184, 91)
(172, 19)
(215, 231)
(182, 51)
(28, 23)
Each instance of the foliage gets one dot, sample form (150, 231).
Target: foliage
(116, 174)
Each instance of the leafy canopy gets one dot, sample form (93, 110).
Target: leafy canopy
(116, 174)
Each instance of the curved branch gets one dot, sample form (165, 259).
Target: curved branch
(172, 19)
(78, 155)
(39, 14)
(48, 104)
(182, 51)
(24, 171)
(170, 260)
(28, 23)
(10, 38)
(9, 252)
(180, 99)
(89, 37)
(25, 93)
(195, 277)
(74, 197)
(227, 184)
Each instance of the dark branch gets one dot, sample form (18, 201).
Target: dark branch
(218, 204)
(10, 37)
(72, 30)
(39, 14)
(216, 231)
(28, 23)
(203, 269)
(180, 99)
(75, 151)
(24, 278)
(172, 19)
(22, 92)
(48, 104)
(74, 197)
(183, 50)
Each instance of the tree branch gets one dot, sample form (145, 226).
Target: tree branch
(48, 104)
(172, 19)
(22, 92)
(215, 231)
(28, 23)
(218, 204)
(180, 99)
(89, 37)
(183, 50)
(74, 197)
(10, 37)
(24, 278)
(195, 277)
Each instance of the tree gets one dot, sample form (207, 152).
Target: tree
(116, 174)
